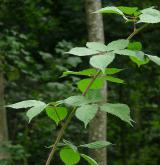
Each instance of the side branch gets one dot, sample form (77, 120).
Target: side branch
(62, 130)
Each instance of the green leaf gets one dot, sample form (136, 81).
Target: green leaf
(94, 95)
(98, 83)
(149, 15)
(111, 79)
(76, 100)
(150, 10)
(155, 59)
(117, 45)
(96, 145)
(110, 71)
(91, 72)
(89, 159)
(146, 18)
(135, 46)
(86, 113)
(140, 55)
(111, 10)
(69, 156)
(130, 53)
(37, 107)
(125, 52)
(114, 79)
(91, 97)
(137, 13)
(102, 61)
(82, 51)
(34, 111)
(83, 84)
(97, 46)
(26, 104)
(120, 110)
(86, 72)
(139, 61)
(128, 10)
(57, 114)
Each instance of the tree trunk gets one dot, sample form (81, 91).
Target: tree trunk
(3, 118)
(98, 126)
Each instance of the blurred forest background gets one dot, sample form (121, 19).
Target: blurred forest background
(34, 36)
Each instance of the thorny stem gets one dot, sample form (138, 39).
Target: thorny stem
(63, 128)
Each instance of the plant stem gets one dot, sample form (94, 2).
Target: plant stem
(62, 130)
(60, 134)
(137, 31)
(91, 82)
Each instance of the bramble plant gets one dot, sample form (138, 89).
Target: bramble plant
(86, 105)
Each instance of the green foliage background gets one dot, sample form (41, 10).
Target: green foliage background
(33, 38)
